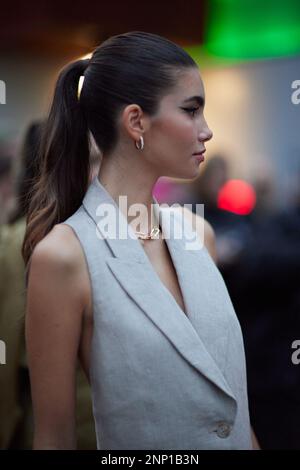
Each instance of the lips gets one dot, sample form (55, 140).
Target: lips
(199, 156)
(201, 152)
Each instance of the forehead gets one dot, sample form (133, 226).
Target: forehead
(189, 83)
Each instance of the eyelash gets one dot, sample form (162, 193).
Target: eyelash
(191, 111)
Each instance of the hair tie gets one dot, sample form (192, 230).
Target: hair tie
(80, 85)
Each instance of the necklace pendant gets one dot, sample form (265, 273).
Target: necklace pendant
(154, 232)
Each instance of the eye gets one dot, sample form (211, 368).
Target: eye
(191, 111)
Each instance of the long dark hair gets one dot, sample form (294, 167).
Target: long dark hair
(27, 171)
(134, 67)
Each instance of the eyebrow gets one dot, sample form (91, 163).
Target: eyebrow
(199, 99)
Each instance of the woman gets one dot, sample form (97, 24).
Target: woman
(150, 319)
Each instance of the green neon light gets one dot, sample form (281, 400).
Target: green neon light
(253, 28)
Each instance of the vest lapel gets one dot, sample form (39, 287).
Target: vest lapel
(133, 270)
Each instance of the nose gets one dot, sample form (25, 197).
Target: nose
(205, 133)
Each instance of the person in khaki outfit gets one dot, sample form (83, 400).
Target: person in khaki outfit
(16, 422)
(11, 330)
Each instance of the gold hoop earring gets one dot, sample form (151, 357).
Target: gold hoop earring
(140, 143)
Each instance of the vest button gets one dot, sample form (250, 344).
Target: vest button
(223, 430)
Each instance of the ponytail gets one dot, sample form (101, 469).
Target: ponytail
(64, 168)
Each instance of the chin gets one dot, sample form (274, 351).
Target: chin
(192, 173)
(186, 173)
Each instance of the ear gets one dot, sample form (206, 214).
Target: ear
(134, 121)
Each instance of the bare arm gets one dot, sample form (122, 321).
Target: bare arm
(255, 443)
(53, 328)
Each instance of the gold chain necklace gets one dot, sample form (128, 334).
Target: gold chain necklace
(154, 234)
(147, 236)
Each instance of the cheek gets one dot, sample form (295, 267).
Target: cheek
(178, 132)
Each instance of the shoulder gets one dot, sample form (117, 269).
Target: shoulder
(201, 226)
(59, 249)
(57, 262)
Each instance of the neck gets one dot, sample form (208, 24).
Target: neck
(121, 178)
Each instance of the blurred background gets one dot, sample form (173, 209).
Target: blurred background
(248, 53)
